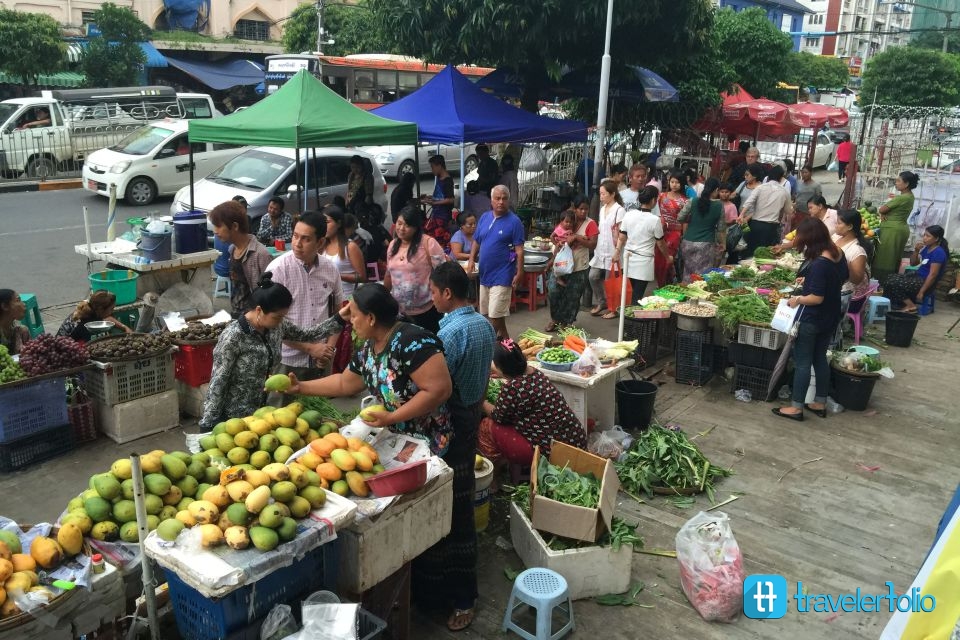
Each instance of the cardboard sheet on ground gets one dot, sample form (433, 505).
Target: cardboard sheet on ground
(216, 572)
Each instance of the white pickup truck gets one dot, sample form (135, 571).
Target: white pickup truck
(45, 136)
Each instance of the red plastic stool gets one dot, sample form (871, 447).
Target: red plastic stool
(531, 298)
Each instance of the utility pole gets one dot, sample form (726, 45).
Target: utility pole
(320, 39)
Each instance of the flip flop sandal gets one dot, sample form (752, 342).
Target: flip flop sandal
(610, 315)
(597, 312)
(460, 619)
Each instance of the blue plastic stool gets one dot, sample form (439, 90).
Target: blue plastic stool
(877, 307)
(32, 320)
(544, 590)
(925, 307)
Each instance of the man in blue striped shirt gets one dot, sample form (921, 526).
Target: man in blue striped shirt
(468, 340)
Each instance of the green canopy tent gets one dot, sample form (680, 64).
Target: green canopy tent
(302, 114)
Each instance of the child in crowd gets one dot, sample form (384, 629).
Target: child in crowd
(562, 232)
(729, 208)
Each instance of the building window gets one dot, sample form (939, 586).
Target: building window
(811, 42)
(86, 17)
(252, 30)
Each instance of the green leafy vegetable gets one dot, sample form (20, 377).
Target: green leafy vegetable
(763, 253)
(716, 282)
(742, 273)
(733, 310)
(567, 486)
(324, 407)
(493, 390)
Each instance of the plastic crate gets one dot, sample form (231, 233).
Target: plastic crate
(117, 382)
(668, 334)
(694, 361)
(83, 420)
(753, 379)
(721, 358)
(29, 407)
(752, 356)
(193, 364)
(202, 618)
(764, 337)
(128, 315)
(47, 444)
(646, 333)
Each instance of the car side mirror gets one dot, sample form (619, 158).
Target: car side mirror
(292, 190)
(166, 153)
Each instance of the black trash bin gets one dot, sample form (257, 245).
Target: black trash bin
(635, 399)
(851, 391)
(900, 328)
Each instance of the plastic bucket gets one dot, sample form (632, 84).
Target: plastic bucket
(900, 328)
(481, 495)
(865, 350)
(635, 399)
(853, 392)
(122, 283)
(190, 230)
(155, 246)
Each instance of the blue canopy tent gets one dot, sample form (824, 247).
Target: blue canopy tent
(221, 75)
(450, 109)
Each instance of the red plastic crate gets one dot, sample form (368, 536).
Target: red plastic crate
(193, 364)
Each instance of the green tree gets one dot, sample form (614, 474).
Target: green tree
(350, 26)
(810, 70)
(759, 66)
(934, 40)
(537, 39)
(46, 51)
(912, 77)
(114, 58)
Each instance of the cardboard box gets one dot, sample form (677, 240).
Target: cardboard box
(589, 571)
(138, 418)
(569, 521)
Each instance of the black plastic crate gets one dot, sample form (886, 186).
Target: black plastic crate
(36, 448)
(646, 333)
(751, 356)
(754, 380)
(721, 358)
(694, 357)
(668, 334)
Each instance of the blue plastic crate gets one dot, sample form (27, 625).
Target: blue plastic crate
(202, 618)
(31, 406)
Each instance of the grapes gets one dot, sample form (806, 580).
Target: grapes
(9, 370)
(47, 353)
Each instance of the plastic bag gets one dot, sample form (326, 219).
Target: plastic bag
(330, 621)
(534, 159)
(563, 262)
(711, 567)
(610, 443)
(834, 165)
(587, 364)
(279, 623)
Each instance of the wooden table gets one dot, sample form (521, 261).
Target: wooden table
(154, 276)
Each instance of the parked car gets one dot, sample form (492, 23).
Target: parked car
(797, 151)
(152, 161)
(261, 173)
(397, 159)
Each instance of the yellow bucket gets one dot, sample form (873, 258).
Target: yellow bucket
(481, 495)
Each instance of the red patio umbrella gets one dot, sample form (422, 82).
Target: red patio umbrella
(814, 115)
(759, 110)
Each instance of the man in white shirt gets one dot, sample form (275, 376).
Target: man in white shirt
(764, 212)
(314, 282)
(636, 181)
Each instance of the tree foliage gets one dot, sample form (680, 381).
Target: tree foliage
(538, 39)
(810, 70)
(913, 77)
(46, 49)
(114, 58)
(753, 47)
(934, 40)
(350, 26)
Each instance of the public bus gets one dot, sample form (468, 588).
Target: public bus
(367, 80)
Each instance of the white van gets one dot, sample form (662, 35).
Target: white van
(261, 173)
(152, 161)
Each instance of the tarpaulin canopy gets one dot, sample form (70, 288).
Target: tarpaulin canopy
(303, 113)
(221, 75)
(59, 79)
(449, 108)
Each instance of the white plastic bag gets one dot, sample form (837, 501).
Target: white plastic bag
(330, 621)
(279, 623)
(563, 262)
(610, 443)
(587, 364)
(711, 567)
(534, 159)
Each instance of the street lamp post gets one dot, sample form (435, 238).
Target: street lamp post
(602, 106)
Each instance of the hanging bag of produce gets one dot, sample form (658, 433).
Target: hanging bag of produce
(711, 567)
(611, 286)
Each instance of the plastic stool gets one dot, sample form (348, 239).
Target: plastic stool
(32, 320)
(925, 307)
(532, 298)
(225, 292)
(544, 590)
(877, 307)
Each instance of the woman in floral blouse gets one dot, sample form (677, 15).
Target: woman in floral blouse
(399, 363)
(249, 349)
(530, 412)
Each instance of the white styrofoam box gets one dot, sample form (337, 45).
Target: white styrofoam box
(191, 398)
(372, 550)
(138, 418)
(576, 397)
(589, 571)
(105, 602)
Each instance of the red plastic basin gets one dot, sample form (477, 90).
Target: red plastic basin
(395, 482)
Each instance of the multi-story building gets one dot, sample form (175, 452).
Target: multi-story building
(856, 30)
(814, 24)
(786, 15)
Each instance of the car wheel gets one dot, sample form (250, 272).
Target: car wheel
(407, 166)
(141, 191)
(41, 168)
(470, 164)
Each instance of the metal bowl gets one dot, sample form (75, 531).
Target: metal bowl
(98, 326)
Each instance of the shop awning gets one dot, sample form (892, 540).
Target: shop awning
(155, 59)
(74, 52)
(221, 75)
(61, 79)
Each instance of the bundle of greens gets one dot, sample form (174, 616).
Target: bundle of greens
(716, 282)
(493, 390)
(325, 408)
(664, 458)
(775, 278)
(565, 485)
(763, 253)
(750, 309)
(742, 274)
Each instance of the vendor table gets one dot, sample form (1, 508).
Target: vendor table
(597, 390)
(185, 265)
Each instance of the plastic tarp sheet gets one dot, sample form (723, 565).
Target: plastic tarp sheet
(184, 14)
(303, 113)
(450, 109)
(221, 75)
